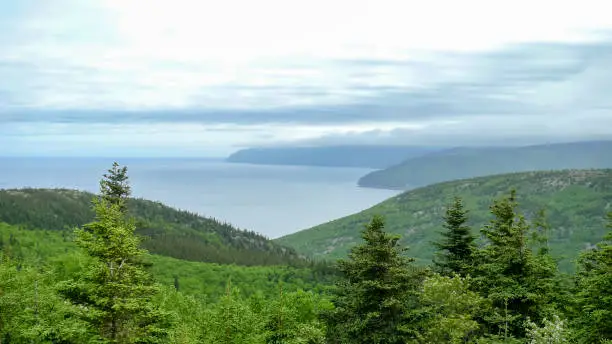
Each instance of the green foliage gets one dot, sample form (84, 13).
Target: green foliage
(594, 289)
(461, 163)
(232, 321)
(293, 318)
(504, 291)
(456, 249)
(288, 318)
(574, 201)
(116, 289)
(115, 187)
(448, 310)
(166, 231)
(189, 315)
(32, 312)
(517, 281)
(56, 250)
(552, 332)
(371, 299)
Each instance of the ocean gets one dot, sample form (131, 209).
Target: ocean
(271, 200)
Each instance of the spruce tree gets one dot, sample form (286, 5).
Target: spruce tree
(456, 249)
(372, 298)
(116, 289)
(115, 187)
(518, 282)
(594, 292)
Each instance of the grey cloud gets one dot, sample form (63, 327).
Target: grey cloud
(495, 84)
(519, 130)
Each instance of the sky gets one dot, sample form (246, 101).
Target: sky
(205, 78)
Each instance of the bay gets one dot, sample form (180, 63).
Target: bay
(271, 200)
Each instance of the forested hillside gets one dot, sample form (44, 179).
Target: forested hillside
(95, 283)
(574, 201)
(461, 163)
(207, 281)
(169, 232)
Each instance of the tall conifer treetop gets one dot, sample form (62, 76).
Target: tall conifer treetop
(116, 289)
(457, 246)
(372, 299)
(115, 187)
(518, 281)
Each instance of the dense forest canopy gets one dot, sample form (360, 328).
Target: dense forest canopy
(575, 203)
(167, 231)
(97, 283)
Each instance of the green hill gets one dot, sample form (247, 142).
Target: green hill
(57, 250)
(575, 200)
(169, 232)
(461, 163)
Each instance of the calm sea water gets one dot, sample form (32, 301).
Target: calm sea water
(272, 200)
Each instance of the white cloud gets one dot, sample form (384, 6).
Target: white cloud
(185, 53)
(165, 139)
(379, 65)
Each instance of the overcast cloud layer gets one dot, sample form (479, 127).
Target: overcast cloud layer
(197, 77)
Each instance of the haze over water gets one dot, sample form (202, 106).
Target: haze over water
(271, 200)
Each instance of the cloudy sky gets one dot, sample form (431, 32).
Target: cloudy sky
(200, 77)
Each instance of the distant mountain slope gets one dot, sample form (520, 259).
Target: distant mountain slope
(206, 281)
(460, 163)
(169, 232)
(575, 200)
(332, 156)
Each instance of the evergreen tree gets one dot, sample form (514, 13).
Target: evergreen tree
(116, 289)
(518, 282)
(373, 297)
(594, 282)
(115, 187)
(457, 247)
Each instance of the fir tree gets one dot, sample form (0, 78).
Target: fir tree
(115, 187)
(594, 282)
(518, 282)
(372, 299)
(457, 247)
(116, 289)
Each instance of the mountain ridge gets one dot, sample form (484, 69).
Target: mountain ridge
(469, 162)
(167, 231)
(575, 200)
(358, 156)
